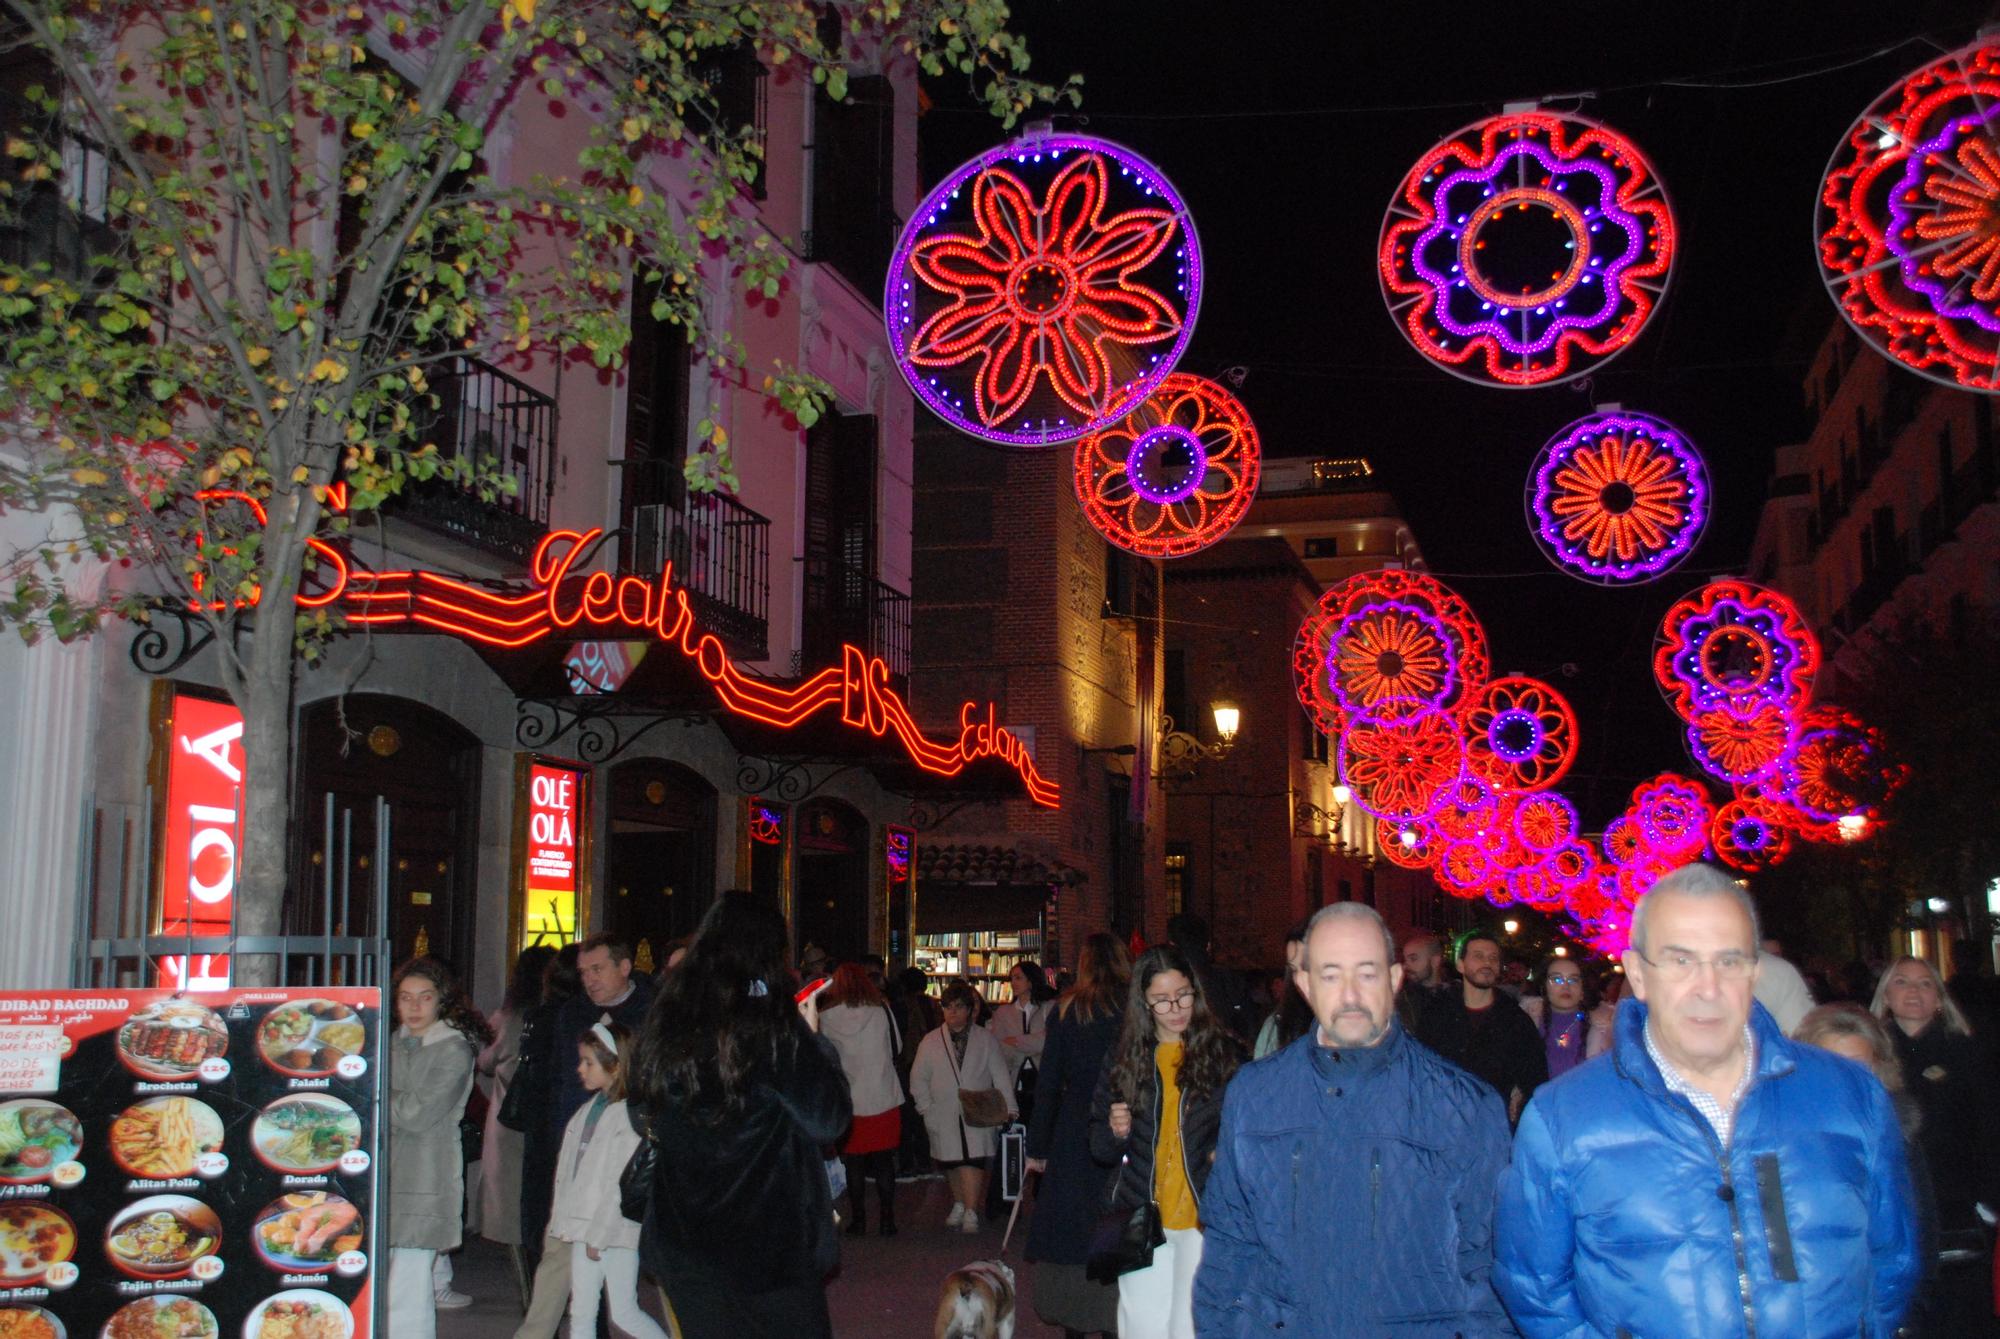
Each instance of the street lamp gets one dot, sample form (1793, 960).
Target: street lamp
(1227, 718)
(1853, 827)
(1510, 926)
(1343, 795)
(1181, 753)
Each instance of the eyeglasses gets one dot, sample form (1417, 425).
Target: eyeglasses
(1565, 980)
(1167, 1006)
(1676, 967)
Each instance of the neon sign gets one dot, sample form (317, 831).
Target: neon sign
(200, 858)
(561, 599)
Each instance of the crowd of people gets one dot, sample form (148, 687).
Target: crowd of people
(1431, 1139)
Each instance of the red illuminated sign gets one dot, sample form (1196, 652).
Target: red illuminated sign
(551, 828)
(198, 871)
(560, 600)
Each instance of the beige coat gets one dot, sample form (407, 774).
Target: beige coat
(934, 1088)
(500, 1158)
(429, 1079)
(586, 1207)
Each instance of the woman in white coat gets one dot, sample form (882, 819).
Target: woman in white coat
(959, 1055)
(855, 1017)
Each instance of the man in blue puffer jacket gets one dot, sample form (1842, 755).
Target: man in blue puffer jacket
(1708, 1177)
(1355, 1170)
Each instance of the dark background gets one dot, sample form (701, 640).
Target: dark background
(1287, 126)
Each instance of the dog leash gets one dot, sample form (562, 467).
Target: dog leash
(1014, 1217)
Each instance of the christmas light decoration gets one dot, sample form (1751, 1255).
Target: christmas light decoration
(1389, 653)
(1617, 497)
(1464, 869)
(1173, 476)
(1839, 769)
(1909, 221)
(1622, 841)
(1410, 843)
(1043, 289)
(1544, 822)
(1749, 834)
(1673, 814)
(1316, 653)
(1526, 249)
(1466, 809)
(1731, 641)
(1742, 741)
(1520, 734)
(1401, 764)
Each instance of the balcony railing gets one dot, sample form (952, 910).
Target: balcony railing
(720, 550)
(846, 605)
(491, 421)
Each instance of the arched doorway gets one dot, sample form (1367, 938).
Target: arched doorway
(830, 878)
(659, 867)
(426, 767)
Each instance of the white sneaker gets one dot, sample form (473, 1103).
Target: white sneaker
(970, 1225)
(447, 1300)
(956, 1216)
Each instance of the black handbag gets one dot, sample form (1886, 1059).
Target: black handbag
(525, 1108)
(1123, 1241)
(635, 1183)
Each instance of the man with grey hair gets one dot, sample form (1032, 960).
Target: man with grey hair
(1714, 1178)
(1353, 1124)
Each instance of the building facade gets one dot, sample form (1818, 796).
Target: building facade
(456, 796)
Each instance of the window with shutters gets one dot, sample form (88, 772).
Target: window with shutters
(844, 603)
(854, 221)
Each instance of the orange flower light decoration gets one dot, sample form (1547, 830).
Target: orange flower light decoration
(1618, 497)
(1043, 289)
(1173, 476)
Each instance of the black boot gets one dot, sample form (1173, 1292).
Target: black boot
(885, 1190)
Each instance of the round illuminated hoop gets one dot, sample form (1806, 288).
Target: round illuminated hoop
(1411, 843)
(1043, 289)
(1526, 249)
(1742, 740)
(1173, 476)
(1622, 840)
(1544, 823)
(1464, 869)
(1401, 763)
(1466, 810)
(1617, 498)
(1749, 834)
(1908, 223)
(1839, 769)
(1317, 655)
(1673, 814)
(1731, 641)
(1520, 734)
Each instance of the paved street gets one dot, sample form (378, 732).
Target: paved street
(886, 1289)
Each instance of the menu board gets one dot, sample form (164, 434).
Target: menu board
(189, 1166)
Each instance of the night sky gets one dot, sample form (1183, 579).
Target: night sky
(1287, 126)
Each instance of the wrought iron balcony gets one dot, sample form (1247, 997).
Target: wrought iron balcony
(490, 420)
(720, 551)
(845, 605)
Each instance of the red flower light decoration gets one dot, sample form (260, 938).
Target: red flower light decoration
(1741, 742)
(1750, 834)
(1520, 734)
(1043, 289)
(1173, 476)
(1401, 766)
(1909, 221)
(1425, 601)
(1464, 869)
(1410, 843)
(1673, 814)
(1731, 641)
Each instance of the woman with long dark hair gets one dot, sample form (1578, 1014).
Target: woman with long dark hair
(1156, 1114)
(430, 1076)
(1021, 1026)
(535, 1074)
(1070, 1193)
(739, 1093)
(1290, 1017)
(501, 1149)
(854, 1015)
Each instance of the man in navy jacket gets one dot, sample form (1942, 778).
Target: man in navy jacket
(1355, 1170)
(1707, 1177)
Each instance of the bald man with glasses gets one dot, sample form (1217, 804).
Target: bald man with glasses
(1711, 1177)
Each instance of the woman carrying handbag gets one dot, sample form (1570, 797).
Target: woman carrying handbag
(962, 1090)
(1155, 1116)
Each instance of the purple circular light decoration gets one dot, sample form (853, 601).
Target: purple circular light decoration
(1732, 641)
(1514, 734)
(1742, 742)
(1579, 293)
(1673, 814)
(1152, 454)
(1391, 656)
(1401, 760)
(1907, 225)
(1617, 498)
(1544, 822)
(1043, 289)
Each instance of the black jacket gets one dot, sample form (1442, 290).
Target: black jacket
(1071, 1193)
(1200, 1119)
(746, 1198)
(1499, 1043)
(1949, 1076)
(575, 1018)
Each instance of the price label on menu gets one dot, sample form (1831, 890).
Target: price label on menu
(196, 1165)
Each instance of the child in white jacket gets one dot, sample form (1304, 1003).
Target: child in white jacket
(604, 1243)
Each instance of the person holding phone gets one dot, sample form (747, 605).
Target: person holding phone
(739, 1093)
(855, 1017)
(959, 1057)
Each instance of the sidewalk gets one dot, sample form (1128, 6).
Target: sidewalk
(887, 1288)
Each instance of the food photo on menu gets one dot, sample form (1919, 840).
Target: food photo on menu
(190, 1167)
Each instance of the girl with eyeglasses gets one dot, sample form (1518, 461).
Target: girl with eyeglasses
(1155, 1116)
(1572, 1032)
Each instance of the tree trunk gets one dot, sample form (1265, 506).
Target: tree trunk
(266, 703)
